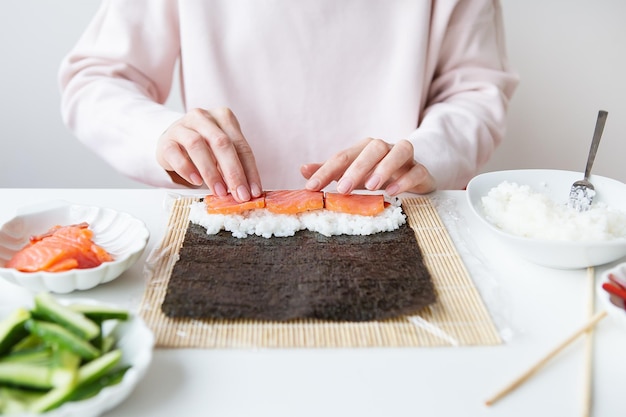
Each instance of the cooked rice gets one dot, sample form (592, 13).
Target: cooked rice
(262, 222)
(520, 210)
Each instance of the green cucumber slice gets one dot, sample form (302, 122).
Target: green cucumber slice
(31, 341)
(12, 329)
(47, 306)
(92, 389)
(100, 313)
(88, 374)
(54, 335)
(40, 355)
(98, 367)
(15, 400)
(34, 376)
(52, 399)
(65, 358)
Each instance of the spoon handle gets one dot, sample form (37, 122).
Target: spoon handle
(597, 134)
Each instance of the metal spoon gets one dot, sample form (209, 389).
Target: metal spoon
(582, 192)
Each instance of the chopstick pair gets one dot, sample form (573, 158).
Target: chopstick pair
(585, 328)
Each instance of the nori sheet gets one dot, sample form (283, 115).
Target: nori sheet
(309, 275)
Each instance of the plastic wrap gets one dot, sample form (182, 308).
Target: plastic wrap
(484, 277)
(306, 333)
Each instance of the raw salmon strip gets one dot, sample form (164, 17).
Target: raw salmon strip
(228, 205)
(60, 249)
(293, 201)
(363, 204)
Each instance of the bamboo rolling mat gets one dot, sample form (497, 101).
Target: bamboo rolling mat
(458, 318)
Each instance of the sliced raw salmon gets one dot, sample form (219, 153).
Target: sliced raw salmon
(363, 204)
(60, 249)
(293, 201)
(228, 205)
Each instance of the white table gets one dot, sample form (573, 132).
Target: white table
(534, 307)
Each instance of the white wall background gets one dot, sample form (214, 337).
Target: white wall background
(571, 57)
(570, 54)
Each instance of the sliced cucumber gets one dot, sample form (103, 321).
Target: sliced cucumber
(87, 375)
(108, 343)
(100, 313)
(12, 329)
(40, 355)
(93, 370)
(15, 400)
(54, 335)
(25, 375)
(33, 376)
(29, 342)
(64, 358)
(92, 389)
(47, 306)
(56, 353)
(52, 399)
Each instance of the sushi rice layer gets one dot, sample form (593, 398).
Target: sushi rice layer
(261, 222)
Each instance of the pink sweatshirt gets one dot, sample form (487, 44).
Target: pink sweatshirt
(305, 79)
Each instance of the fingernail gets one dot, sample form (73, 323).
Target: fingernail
(219, 189)
(344, 186)
(195, 179)
(313, 184)
(256, 190)
(243, 193)
(392, 189)
(373, 183)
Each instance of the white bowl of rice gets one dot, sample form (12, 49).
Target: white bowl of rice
(528, 210)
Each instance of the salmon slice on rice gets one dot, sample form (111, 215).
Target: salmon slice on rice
(293, 201)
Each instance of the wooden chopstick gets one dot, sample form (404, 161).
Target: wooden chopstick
(588, 365)
(539, 364)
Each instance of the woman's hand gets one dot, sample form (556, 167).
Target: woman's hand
(372, 164)
(208, 146)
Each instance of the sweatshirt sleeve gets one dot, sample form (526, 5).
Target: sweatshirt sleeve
(114, 83)
(464, 115)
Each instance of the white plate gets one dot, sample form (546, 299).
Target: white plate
(122, 235)
(618, 314)
(556, 185)
(137, 343)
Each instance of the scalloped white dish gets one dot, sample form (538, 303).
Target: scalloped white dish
(610, 302)
(556, 185)
(135, 340)
(122, 235)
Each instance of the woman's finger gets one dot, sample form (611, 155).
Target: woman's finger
(225, 159)
(364, 165)
(395, 162)
(174, 159)
(228, 122)
(197, 152)
(374, 164)
(333, 168)
(416, 180)
(173, 155)
(307, 170)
